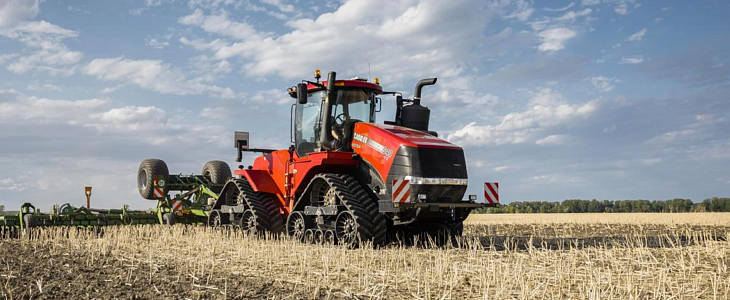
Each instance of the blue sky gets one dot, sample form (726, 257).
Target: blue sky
(605, 99)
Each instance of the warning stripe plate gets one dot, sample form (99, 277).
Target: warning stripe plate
(176, 205)
(491, 192)
(401, 190)
(158, 193)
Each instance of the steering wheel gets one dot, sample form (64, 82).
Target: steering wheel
(338, 125)
(341, 118)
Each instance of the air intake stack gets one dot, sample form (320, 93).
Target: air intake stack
(417, 116)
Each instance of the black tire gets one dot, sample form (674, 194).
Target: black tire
(362, 205)
(168, 219)
(218, 172)
(148, 169)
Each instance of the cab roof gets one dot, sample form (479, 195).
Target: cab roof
(348, 83)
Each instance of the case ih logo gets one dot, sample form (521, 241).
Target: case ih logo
(373, 144)
(491, 192)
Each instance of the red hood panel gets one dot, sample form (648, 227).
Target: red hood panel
(377, 144)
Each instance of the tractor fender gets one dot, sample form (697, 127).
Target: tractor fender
(260, 181)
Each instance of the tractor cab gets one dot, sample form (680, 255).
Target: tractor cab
(316, 117)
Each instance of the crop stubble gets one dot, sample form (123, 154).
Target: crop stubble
(525, 257)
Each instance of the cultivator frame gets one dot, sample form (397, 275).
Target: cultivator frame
(182, 199)
(11, 225)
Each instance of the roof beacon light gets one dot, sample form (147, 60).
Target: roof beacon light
(317, 74)
(377, 80)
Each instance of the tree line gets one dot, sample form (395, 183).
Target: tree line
(585, 206)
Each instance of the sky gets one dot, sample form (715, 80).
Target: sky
(591, 99)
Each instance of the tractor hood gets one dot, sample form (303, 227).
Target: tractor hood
(395, 151)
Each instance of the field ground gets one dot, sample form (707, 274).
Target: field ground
(598, 256)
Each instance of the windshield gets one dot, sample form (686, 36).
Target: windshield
(354, 104)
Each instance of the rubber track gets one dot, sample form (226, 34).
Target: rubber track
(362, 203)
(263, 205)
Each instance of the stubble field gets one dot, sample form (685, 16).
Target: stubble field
(598, 256)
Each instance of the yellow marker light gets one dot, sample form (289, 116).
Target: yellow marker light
(377, 80)
(317, 73)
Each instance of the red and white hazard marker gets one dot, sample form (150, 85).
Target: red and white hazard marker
(491, 192)
(401, 190)
(159, 193)
(176, 205)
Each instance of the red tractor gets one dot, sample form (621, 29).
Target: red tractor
(346, 178)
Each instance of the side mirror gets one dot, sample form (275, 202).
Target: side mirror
(302, 93)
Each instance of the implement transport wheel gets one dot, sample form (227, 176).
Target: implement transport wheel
(148, 169)
(218, 172)
(359, 221)
(296, 225)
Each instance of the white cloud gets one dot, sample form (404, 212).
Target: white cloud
(156, 43)
(49, 55)
(413, 38)
(632, 60)
(153, 75)
(13, 12)
(603, 84)
(546, 110)
(555, 139)
(622, 9)
(523, 10)
(590, 2)
(500, 168)
(10, 184)
(280, 5)
(573, 15)
(673, 136)
(637, 36)
(277, 96)
(554, 39)
(571, 4)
